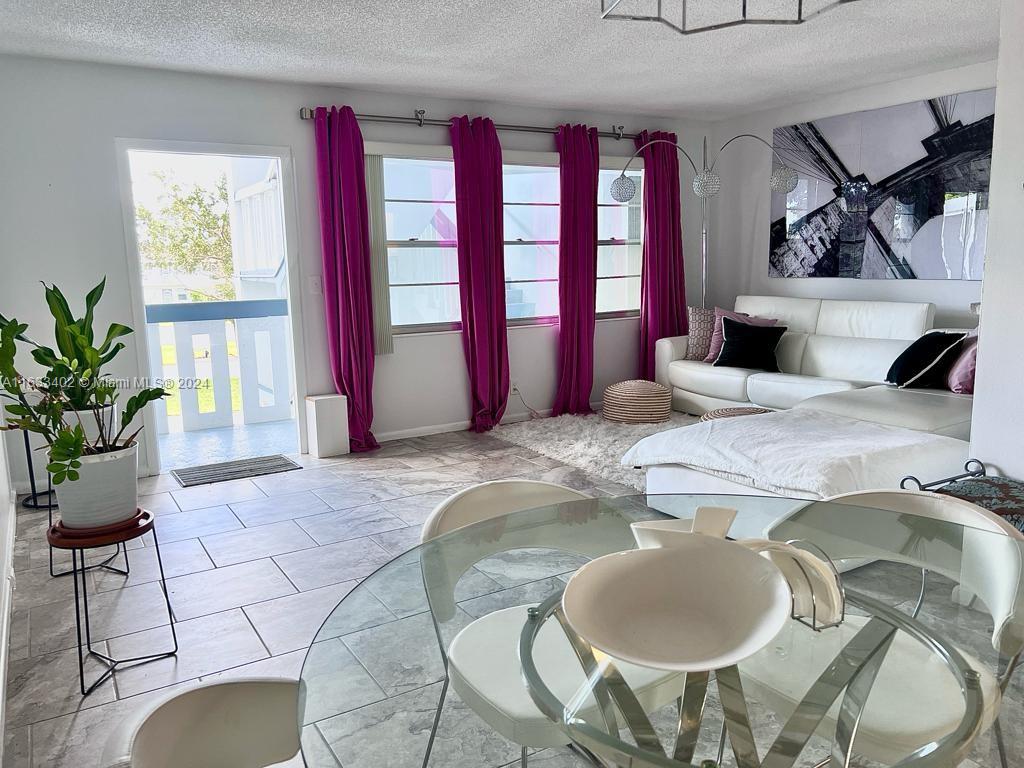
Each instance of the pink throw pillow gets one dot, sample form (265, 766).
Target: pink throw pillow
(718, 335)
(961, 375)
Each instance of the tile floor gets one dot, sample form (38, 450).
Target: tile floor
(255, 566)
(241, 441)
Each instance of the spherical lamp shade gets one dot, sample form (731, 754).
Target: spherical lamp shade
(623, 188)
(707, 183)
(784, 179)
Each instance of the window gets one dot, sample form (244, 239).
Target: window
(619, 246)
(531, 241)
(423, 265)
(419, 208)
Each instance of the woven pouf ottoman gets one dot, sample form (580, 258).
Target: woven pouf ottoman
(637, 402)
(728, 413)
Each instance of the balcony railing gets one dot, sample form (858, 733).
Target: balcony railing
(234, 358)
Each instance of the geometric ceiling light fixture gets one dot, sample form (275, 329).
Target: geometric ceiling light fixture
(690, 17)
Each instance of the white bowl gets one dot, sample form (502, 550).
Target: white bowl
(652, 534)
(702, 604)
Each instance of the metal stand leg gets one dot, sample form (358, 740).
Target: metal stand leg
(32, 501)
(85, 649)
(105, 564)
(997, 730)
(522, 757)
(437, 720)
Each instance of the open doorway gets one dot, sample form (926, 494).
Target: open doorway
(212, 253)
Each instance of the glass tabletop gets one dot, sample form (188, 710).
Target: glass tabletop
(377, 689)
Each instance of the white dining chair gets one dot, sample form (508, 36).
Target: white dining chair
(915, 700)
(482, 661)
(242, 723)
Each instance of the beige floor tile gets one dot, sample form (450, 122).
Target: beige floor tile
(161, 503)
(206, 645)
(38, 587)
(158, 484)
(233, 586)
(195, 523)
(18, 639)
(287, 665)
(333, 563)
(291, 622)
(214, 494)
(113, 613)
(415, 509)
(179, 558)
(399, 540)
(278, 508)
(42, 687)
(350, 523)
(17, 748)
(296, 481)
(345, 495)
(255, 543)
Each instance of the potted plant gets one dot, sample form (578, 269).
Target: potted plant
(93, 455)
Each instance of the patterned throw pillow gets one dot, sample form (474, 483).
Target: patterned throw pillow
(702, 325)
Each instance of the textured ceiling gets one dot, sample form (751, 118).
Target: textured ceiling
(543, 52)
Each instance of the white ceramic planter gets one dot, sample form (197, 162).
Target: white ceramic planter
(105, 492)
(88, 421)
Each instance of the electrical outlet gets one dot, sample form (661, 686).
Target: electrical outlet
(514, 386)
(316, 284)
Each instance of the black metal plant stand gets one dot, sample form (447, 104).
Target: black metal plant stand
(78, 540)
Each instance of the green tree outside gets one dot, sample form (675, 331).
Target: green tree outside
(190, 233)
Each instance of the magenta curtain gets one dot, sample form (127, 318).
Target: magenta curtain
(345, 238)
(479, 214)
(579, 165)
(662, 285)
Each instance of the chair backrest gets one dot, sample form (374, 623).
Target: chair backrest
(243, 723)
(990, 561)
(443, 562)
(494, 499)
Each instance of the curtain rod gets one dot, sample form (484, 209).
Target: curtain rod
(618, 133)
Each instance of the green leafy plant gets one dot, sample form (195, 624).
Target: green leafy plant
(74, 386)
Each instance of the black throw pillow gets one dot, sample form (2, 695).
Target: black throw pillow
(749, 346)
(926, 363)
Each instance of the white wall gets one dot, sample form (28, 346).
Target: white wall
(998, 405)
(741, 212)
(7, 525)
(61, 218)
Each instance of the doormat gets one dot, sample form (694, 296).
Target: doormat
(233, 470)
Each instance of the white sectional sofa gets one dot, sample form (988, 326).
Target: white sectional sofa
(834, 358)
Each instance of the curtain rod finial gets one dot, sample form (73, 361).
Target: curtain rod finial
(306, 113)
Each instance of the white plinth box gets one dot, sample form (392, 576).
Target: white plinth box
(327, 425)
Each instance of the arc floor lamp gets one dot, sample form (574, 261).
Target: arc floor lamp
(706, 184)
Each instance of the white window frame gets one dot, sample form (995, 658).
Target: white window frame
(509, 157)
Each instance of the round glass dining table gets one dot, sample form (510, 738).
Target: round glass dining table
(375, 693)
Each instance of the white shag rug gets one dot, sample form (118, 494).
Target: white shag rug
(588, 442)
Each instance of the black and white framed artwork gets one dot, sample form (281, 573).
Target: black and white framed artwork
(894, 193)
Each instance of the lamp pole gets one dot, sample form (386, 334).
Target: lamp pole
(706, 184)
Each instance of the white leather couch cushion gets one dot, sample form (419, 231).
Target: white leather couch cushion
(796, 314)
(874, 319)
(926, 410)
(784, 390)
(706, 379)
(790, 352)
(850, 359)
